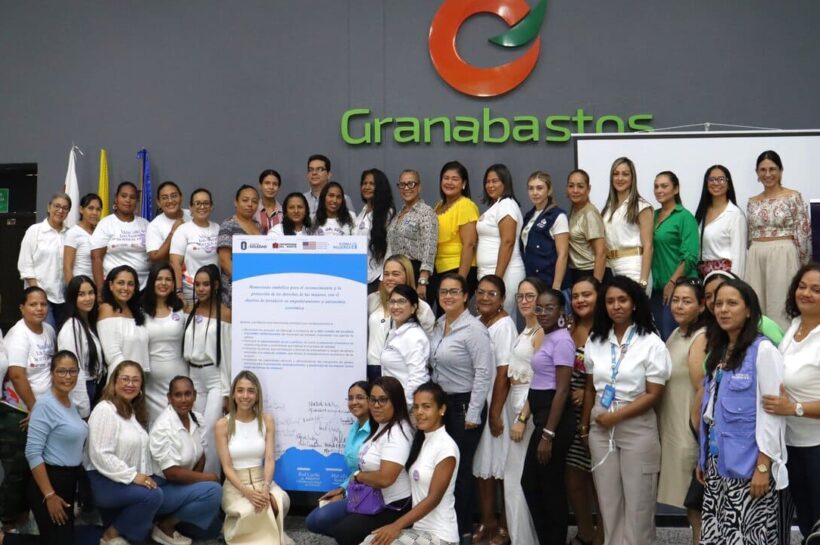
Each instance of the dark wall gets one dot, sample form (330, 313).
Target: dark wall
(217, 91)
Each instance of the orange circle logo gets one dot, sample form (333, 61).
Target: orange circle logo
(525, 25)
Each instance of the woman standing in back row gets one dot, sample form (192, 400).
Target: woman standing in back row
(780, 232)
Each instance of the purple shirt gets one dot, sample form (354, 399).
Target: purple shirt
(557, 349)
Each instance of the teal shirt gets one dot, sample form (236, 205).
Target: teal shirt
(355, 439)
(676, 239)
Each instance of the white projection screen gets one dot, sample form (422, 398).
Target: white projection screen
(689, 154)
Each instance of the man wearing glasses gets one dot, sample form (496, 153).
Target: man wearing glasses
(318, 175)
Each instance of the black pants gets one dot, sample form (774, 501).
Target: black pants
(13, 502)
(467, 441)
(354, 527)
(64, 482)
(543, 484)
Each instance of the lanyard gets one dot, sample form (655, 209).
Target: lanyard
(616, 364)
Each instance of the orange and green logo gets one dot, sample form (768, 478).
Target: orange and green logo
(525, 25)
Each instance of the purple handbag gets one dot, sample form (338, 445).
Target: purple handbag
(364, 499)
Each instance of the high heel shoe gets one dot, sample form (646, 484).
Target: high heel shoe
(483, 533)
(501, 538)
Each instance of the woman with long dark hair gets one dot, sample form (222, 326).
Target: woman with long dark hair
(206, 349)
(627, 368)
(332, 215)
(121, 324)
(79, 335)
(742, 447)
(722, 224)
(77, 245)
(372, 222)
(164, 322)
(296, 218)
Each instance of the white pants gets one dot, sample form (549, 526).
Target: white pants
(519, 521)
(208, 385)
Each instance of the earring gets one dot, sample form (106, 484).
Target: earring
(561, 321)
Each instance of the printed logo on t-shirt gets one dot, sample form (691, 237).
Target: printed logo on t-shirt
(416, 475)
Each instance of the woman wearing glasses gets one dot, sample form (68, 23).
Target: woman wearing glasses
(406, 348)
(40, 261)
(194, 244)
(627, 368)
(413, 232)
(372, 222)
(381, 463)
(722, 224)
(462, 362)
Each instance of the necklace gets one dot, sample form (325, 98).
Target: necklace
(801, 332)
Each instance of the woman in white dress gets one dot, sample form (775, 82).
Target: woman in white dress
(194, 244)
(491, 454)
(332, 216)
(519, 521)
(77, 245)
(372, 222)
(121, 324)
(498, 230)
(79, 335)
(164, 322)
(119, 239)
(206, 348)
(628, 221)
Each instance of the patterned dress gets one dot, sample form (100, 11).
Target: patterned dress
(578, 455)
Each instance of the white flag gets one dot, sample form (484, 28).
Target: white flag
(72, 189)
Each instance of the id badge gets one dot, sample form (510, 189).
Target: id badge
(608, 396)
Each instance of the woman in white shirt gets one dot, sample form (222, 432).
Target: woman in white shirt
(194, 244)
(29, 346)
(382, 459)
(628, 220)
(545, 235)
(799, 397)
(397, 271)
(119, 239)
(742, 447)
(77, 245)
(206, 348)
(407, 347)
(627, 367)
(295, 219)
(332, 216)
(121, 324)
(40, 261)
(432, 463)
(79, 335)
(722, 225)
(164, 323)
(160, 231)
(372, 222)
(177, 443)
(121, 469)
(498, 230)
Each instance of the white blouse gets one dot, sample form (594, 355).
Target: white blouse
(489, 235)
(41, 258)
(72, 337)
(404, 357)
(173, 445)
(503, 334)
(379, 323)
(441, 522)
(619, 232)
(725, 237)
(122, 339)
(801, 377)
(80, 239)
(117, 447)
(364, 224)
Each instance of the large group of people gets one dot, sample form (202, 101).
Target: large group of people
(663, 359)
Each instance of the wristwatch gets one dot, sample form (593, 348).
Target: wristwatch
(763, 468)
(643, 283)
(798, 409)
(521, 418)
(423, 281)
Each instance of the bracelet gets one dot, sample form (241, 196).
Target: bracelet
(47, 496)
(583, 427)
(548, 432)
(583, 435)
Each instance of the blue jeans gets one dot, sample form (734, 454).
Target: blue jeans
(663, 315)
(196, 503)
(322, 519)
(129, 508)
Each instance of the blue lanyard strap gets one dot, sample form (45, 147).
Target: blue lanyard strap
(616, 363)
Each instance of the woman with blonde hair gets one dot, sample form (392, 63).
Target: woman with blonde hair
(544, 238)
(254, 505)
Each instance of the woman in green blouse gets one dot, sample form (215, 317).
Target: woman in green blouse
(676, 245)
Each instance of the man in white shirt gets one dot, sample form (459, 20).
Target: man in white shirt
(318, 175)
(161, 229)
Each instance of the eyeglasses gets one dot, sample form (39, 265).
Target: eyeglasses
(61, 207)
(317, 170)
(720, 180)
(528, 297)
(407, 185)
(166, 198)
(132, 381)
(63, 372)
(379, 401)
(398, 302)
(546, 309)
(444, 292)
(202, 204)
(481, 293)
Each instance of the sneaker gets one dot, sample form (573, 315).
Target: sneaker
(177, 539)
(119, 540)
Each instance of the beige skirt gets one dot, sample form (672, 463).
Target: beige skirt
(770, 266)
(243, 525)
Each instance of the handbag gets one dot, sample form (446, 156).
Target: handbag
(364, 499)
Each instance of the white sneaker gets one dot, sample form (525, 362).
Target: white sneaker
(177, 539)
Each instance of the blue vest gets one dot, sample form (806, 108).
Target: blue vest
(540, 255)
(735, 418)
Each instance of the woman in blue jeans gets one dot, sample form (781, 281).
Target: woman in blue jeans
(121, 470)
(333, 506)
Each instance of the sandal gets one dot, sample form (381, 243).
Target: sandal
(483, 533)
(501, 538)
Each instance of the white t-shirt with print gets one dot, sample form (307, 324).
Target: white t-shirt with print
(125, 244)
(197, 246)
(392, 446)
(33, 351)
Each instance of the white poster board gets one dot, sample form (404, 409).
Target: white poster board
(300, 324)
(689, 154)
